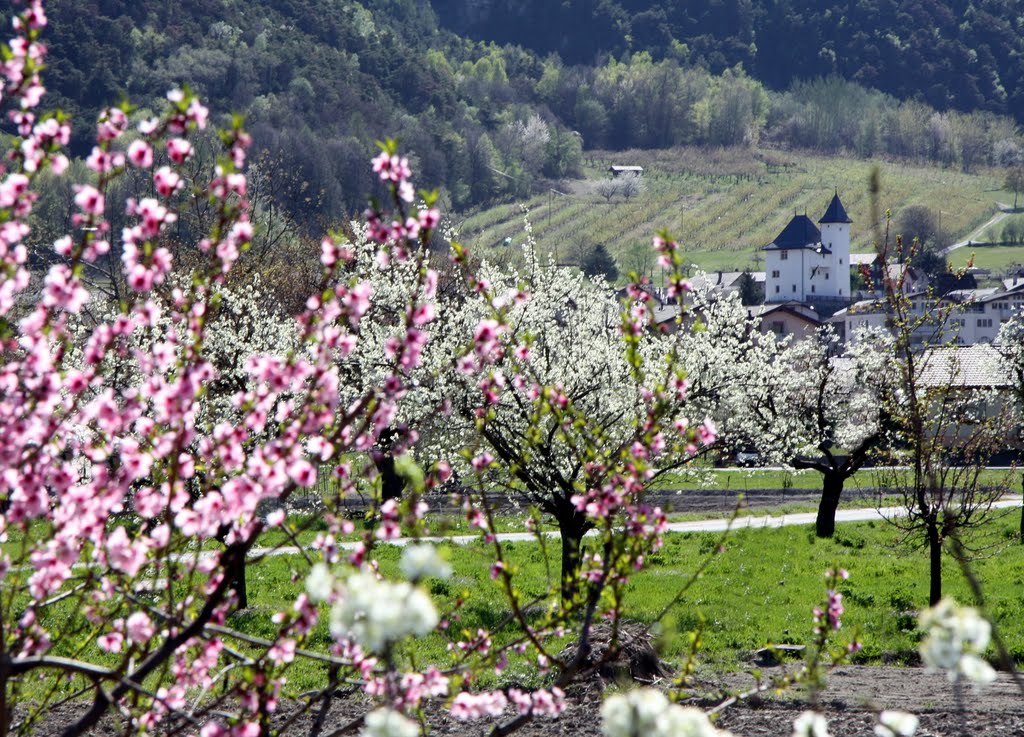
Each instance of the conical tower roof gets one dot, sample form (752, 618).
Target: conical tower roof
(835, 213)
(800, 233)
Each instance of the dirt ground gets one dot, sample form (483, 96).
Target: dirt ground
(853, 696)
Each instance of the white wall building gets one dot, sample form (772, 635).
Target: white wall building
(805, 264)
(972, 316)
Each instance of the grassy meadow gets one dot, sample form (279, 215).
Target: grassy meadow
(759, 590)
(723, 205)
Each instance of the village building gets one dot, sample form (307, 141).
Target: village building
(965, 316)
(794, 319)
(811, 265)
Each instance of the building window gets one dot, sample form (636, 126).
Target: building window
(984, 322)
(778, 327)
(775, 274)
(826, 276)
(840, 262)
(794, 289)
(783, 255)
(776, 288)
(813, 289)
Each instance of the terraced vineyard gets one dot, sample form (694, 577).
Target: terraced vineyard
(723, 205)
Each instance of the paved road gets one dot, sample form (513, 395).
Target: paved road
(706, 525)
(976, 234)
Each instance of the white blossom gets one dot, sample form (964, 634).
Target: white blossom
(810, 724)
(956, 636)
(377, 613)
(388, 723)
(896, 724)
(319, 583)
(421, 560)
(646, 712)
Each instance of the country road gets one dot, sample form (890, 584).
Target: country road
(708, 525)
(1004, 211)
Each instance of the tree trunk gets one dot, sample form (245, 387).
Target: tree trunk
(831, 490)
(1022, 513)
(234, 571)
(391, 484)
(935, 569)
(237, 574)
(571, 526)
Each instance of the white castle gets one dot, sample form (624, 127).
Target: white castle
(805, 264)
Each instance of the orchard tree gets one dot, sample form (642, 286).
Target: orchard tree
(940, 428)
(1015, 180)
(115, 481)
(1010, 344)
(731, 367)
(563, 339)
(827, 413)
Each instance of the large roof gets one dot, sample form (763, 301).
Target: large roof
(977, 365)
(800, 233)
(835, 213)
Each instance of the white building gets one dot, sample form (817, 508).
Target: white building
(805, 264)
(971, 316)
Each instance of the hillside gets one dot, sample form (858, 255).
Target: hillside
(952, 54)
(320, 81)
(724, 205)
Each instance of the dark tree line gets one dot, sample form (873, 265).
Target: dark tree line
(321, 80)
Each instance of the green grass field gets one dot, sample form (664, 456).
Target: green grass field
(759, 590)
(723, 205)
(772, 478)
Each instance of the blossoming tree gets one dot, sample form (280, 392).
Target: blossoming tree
(113, 482)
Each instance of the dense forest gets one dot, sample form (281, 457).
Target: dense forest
(959, 54)
(499, 116)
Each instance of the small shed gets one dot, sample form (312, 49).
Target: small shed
(618, 171)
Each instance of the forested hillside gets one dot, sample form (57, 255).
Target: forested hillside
(961, 54)
(321, 80)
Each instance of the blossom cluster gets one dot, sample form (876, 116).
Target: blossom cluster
(647, 712)
(376, 613)
(955, 638)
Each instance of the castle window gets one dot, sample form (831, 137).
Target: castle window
(783, 255)
(775, 274)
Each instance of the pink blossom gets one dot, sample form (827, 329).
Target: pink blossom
(470, 707)
(166, 181)
(178, 150)
(89, 199)
(140, 154)
(139, 627)
(110, 642)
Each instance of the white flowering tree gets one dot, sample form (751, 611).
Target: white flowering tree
(824, 412)
(1010, 344)
(733, 372)
(242, 323)
(565, 398)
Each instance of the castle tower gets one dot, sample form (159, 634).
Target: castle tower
(835, 236)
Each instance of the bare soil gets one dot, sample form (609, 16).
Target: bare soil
(852, 699)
